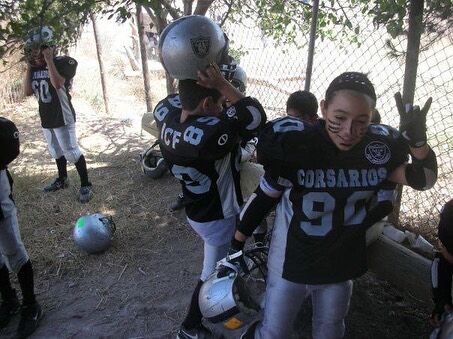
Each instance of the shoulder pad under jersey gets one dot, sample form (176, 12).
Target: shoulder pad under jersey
(66, 66)
(282, 139)
(9, 139)
(384, 130)
(166, 107)
(249, 114)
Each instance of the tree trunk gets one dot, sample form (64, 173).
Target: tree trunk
(101, 64)
(141, 38)
(410, 76)
(188, 7)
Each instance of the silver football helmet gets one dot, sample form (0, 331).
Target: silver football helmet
(38, 37)
(239, 79)
(94, 233)
(190, 44)
(153, 164)
(231, 296)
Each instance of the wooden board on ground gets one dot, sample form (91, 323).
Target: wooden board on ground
(401, 266)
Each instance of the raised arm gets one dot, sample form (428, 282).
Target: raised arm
(421, 173)
(212, 78)
(28, 90)
(56, 78)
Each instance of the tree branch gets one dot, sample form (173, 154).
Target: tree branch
(172, 11)
(202, 7)
(225, 17)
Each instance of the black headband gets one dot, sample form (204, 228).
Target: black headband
(355, 81)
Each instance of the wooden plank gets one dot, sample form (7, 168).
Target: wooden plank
(401, 266)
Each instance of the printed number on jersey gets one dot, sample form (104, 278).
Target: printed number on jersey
(320, 208)
(195, 181)
(41, 90)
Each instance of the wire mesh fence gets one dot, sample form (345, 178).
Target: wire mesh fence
(275, 71)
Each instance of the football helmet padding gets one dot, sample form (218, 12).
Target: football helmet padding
(152, 162)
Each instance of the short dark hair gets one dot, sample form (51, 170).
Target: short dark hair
(376, 117)
(304, 102)
(190, 94)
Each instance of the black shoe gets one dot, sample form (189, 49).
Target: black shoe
(199, 332)
(57, 184)
(8, 309)
(178, 204)
(30, 317)
(85, 194)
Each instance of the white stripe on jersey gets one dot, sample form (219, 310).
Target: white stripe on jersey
(383, 195)
(226, 187)
(256, 116)
(66, 111)
(267, 188)
(434, 273)
(283, 215)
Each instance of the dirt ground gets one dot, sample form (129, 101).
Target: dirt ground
(141, 286)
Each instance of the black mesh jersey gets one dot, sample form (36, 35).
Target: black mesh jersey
(55, 107)
(203, 153)
(9, 141)
(327, 195)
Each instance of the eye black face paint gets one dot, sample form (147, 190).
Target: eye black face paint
(333, 126)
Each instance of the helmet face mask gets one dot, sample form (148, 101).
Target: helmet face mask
(234, 298)
(152, 162)
(190, 44)
(239, 79)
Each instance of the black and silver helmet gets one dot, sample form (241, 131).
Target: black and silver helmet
(152, 162)
(234, 297)
(190, 44)
(94, 233)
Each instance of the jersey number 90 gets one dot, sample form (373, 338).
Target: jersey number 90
(354, 211)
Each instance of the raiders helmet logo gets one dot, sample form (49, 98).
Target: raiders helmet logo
(200, 46)
(377, 153)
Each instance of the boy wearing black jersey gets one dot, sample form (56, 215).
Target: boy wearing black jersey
(49, 78)
(200, 142)
(442, 267)
(13, 255)
(323, 179)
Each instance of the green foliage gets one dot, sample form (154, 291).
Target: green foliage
(17, 18)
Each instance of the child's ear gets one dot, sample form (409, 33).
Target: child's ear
(209, 105)
(323, 105)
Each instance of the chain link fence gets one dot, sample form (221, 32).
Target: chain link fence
(276, 71)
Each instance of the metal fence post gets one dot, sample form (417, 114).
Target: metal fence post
(311, 45)
(410, 75)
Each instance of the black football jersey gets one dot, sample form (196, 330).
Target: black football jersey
(9, 141)
(327, 194)
(204, 154)
(55, 107)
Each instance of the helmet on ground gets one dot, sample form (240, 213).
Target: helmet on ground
(93, 233)
(190, 44)
(239, 79)
(231, 296)
(153, 164)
